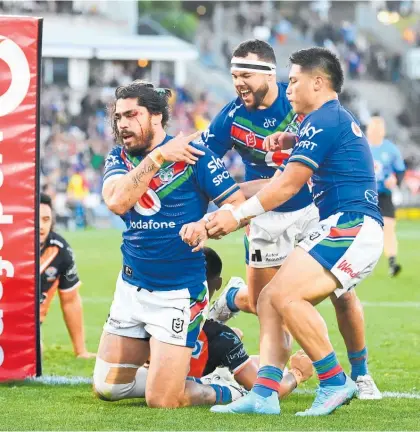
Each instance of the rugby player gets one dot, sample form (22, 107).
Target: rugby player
(331, 149)
(220, 347)
(260, 109)
(59, 273)
(157, 184)
(389, 171)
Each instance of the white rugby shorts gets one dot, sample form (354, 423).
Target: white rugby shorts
(174, 317)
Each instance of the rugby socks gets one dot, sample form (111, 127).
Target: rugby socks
(268, 381)
(223, 394)
(197, 380)
(329, 371)
(230, 299)
(358, 361)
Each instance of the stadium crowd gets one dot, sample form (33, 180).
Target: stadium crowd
(76, 137)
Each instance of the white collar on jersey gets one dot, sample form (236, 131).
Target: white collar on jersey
(245, 65)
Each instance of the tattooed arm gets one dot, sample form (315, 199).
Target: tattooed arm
(121, 192)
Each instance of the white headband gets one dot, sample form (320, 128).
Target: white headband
(245, 65)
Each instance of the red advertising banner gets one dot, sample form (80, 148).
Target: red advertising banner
(20, 54)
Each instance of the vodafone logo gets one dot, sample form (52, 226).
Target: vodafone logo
(149, 204)
(15, 59)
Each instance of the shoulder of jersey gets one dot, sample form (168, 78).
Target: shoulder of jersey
(114, 152)
(319, 117)
(58, 240)
(233, 107)
(200, 146)
(283, 86)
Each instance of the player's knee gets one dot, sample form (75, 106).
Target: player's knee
(286, 303)
(344, 302)
(112, 383)
(265, 299)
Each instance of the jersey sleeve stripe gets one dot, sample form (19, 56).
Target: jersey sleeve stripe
(226, 194)
(113, 177)
(115, 171)
(307, 161)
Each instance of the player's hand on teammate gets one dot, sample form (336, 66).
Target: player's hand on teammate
(301, 362)
(279, 141)
(179, 149)
(194, 234)
(86, 355)
(221, 223)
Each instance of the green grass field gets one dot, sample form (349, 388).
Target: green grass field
(392, 308)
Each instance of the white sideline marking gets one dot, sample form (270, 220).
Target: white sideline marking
(62, 380)
(386, 395)
(392, 304)
(383, 304)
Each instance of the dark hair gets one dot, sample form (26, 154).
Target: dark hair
(213, 263)
(46, 199)
(262, 49)
(320, 58)
(155, 100)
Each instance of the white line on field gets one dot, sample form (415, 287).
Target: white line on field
(383, 304)
(62, 380)
(392, 304)
(387, 395)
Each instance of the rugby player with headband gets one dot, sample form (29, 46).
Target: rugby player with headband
(261, 110)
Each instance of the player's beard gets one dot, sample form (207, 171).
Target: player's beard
(258, 96)
(142, 143)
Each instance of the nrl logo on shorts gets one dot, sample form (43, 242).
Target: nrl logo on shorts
(177, 325)
(166, 175)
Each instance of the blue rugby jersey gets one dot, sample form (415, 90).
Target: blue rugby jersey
(154, 256)
(331, 143)
(236, 127)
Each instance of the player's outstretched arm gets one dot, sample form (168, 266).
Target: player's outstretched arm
(279, 190)
(121, 193)
(71, 305)
(252, 187)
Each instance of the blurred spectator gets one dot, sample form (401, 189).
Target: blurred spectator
(76, 138)
(77, 191)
